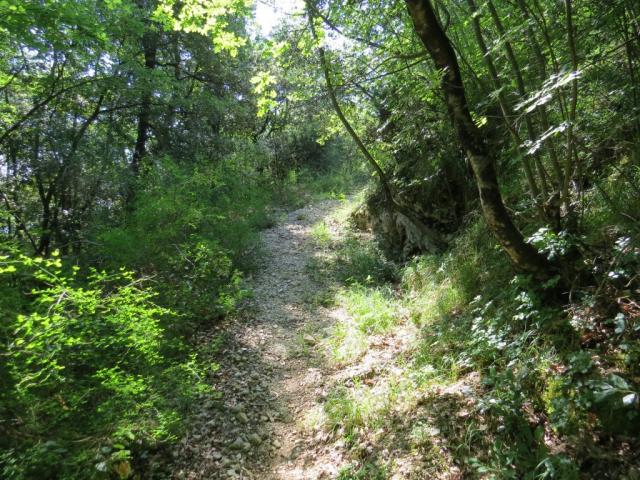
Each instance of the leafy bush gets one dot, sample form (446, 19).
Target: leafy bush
(86, 385)
(203, 280)
(193, 229)
(539, 386)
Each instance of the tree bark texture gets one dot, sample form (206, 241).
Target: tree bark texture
(523, 255)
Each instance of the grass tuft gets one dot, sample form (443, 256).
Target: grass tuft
(368, 311)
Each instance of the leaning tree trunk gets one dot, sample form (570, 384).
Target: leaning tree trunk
(523, 255)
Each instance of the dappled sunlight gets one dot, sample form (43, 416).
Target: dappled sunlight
(319, 240)
(281, 339)
(321, 381)
(270, 371)
(364, 407)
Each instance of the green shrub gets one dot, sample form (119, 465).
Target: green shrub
(85, 384)
(192, 228)
(202, 280)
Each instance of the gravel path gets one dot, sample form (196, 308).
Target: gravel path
(272, 373)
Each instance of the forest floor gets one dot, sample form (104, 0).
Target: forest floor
(277, 372)
(338, 368)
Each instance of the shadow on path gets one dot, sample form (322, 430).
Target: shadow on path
(270, 373)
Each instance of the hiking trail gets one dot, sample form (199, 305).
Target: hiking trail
(272, 373)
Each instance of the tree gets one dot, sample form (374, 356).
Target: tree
(430, 237)
(523, 255)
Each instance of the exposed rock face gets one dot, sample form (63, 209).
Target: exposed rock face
(440, 201)
(396, 233)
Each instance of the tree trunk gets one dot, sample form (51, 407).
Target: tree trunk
(523, 255)
(572, 157)
(505, 109)
(522, 92)
(150, 48)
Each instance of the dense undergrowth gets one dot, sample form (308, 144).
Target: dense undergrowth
(137, 165)
(500, 380)
(144, 144)
(100, 371)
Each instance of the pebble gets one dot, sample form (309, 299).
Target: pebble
(239, 444)
(242, 417)
(236, 433)
(254, 439)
